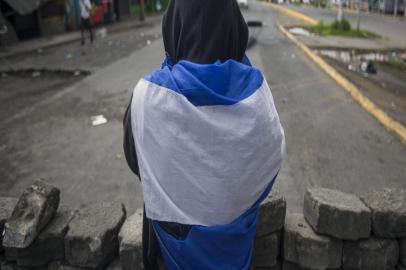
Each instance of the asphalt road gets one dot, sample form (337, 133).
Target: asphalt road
(386, 26)
(331, 141)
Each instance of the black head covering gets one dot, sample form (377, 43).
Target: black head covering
(204, 31)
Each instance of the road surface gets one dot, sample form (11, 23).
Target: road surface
(331, 141)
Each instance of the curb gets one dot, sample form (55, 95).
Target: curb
(293, 14)
(390, 124)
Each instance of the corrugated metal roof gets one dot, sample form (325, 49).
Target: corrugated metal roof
(24, 7)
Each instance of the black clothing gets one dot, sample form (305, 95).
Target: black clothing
(204, 31)
(86, 25)
(201, 32)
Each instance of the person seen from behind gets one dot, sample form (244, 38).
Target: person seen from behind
(204, 137)
(86, 25)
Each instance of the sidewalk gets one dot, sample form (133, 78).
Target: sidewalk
(74, 36)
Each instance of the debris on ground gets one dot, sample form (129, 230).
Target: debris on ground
(101, 33)
(98, 120)
(68, 56)
(76, 72)
(299, 31)
(148, 42)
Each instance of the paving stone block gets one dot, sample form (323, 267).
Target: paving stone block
(388, 212)
(35, 208)
(49, 245)
(92, 239)
(130, 238)
(338, 214)
(402, 245)
(371, 254)
(301, 245)
(7, 205)
(271, 216)
(266, 250)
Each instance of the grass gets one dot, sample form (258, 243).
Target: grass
(342, 28)
(398, 65)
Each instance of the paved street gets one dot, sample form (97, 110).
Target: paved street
(331, 141)
(386, 26)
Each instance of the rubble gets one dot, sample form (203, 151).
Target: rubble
(306, 248)
(34, 209)
(337, 214)
(92, 239)
(388, 212)
(130, 238)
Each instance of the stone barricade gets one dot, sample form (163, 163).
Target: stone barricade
(335, 231)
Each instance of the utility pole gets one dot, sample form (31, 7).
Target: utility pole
(358, 3)
(142, 10)
(340, 10)
(395, 8)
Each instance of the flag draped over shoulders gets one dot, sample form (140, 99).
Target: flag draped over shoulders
(209, 144)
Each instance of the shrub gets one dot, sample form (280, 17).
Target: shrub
(343, 25)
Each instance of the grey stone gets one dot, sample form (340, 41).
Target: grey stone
(301, 245)
(371, 254)
(388, 212)
(7, 205)
(337, 214)
(291, 266)
(402, 245)
(92, 239)
(49, 245)
(130, 238)
(271, 216)
(35, 208)
(266, 250)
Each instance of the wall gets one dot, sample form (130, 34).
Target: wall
(335, 231)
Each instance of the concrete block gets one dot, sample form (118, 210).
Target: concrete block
(266, 250)
(7, 205)
(130, 238)
(271, 216)
(49, 245)
(35, 208)
(388, 212)
(337, 214)
(301, 245)
(371, 254)
(92, 239)
(402, 246)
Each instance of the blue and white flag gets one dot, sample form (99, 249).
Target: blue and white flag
(209, 144)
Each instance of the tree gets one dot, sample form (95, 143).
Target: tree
(142, 10)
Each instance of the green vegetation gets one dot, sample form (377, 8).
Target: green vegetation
(340, 28)
(396, 64)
